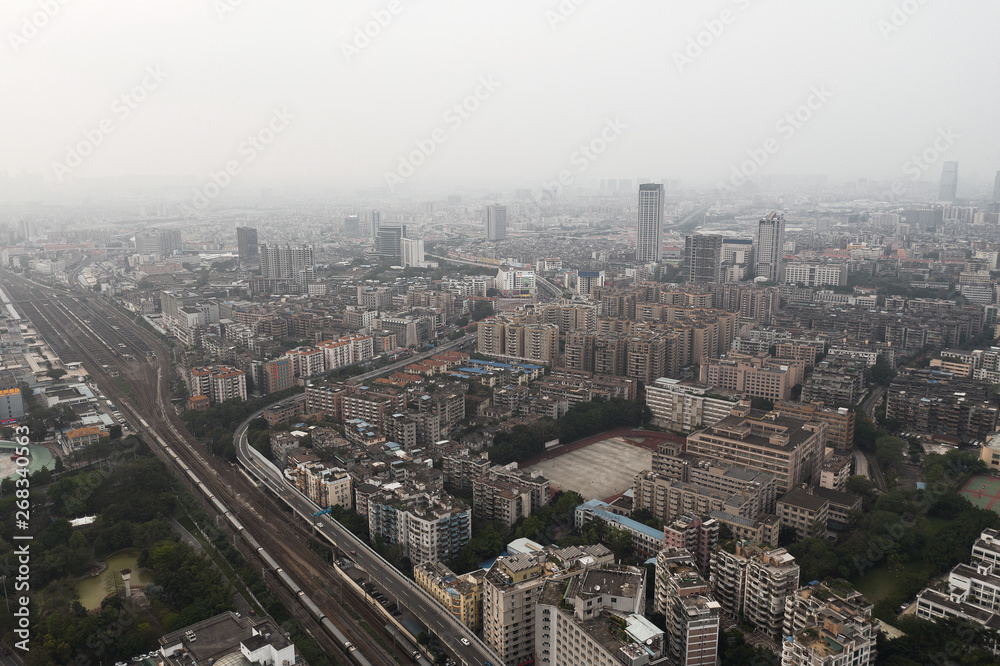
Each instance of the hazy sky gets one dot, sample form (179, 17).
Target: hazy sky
(560, 75)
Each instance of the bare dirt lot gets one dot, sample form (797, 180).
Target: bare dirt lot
(598, 471)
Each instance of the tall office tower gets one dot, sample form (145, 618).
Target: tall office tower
(352, 226)
(389, 240)
(996, 187)
(412, 251)
(702, 258)
(770, 246)
(495, 220)
(949, 182)
(294, 262)
(246, 241)
(374, 222)
(649, 232)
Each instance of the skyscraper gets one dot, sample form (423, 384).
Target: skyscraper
(949, 182)
(770, 246)
(246, 241)
(495, 219)
(374, 222)
(702, 258)
(389, 240)
(649, 232)
(996, 187)
(412, 251)
(352, 226)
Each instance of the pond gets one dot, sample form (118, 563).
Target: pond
(40, 457)
(93, 590)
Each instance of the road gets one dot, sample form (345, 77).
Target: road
(871, 402)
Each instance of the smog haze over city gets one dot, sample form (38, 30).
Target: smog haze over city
(520, 333)
(693, 86)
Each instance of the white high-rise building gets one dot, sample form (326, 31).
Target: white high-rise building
(495, 219)
(649, 230)
(413, 251)
(770, 246)
(293, 262)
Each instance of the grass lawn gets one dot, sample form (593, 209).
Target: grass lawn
(879, 582)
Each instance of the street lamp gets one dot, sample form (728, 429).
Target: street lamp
(3, 577)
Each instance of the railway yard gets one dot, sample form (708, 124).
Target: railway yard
(133, 368)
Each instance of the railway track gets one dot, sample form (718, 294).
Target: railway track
(84, 325)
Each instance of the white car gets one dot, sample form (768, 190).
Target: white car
(465, 641)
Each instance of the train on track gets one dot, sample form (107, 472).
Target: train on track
(223, 510)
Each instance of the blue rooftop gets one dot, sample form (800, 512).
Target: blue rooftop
(599, 508)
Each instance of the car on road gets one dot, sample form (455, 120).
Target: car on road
(319, 525)
(465, 641)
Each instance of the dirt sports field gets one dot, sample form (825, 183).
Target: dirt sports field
(600, 467)
(984, 492)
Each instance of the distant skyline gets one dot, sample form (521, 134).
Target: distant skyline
(515, 94)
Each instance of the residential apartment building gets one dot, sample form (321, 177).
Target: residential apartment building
(461, 595)
(429, 527)
(752, 584)
(839, 422)
(686, 406)
(684, 597)
(935, 402)
(595, 616)
(324, 484)
(828, 625)
(805, 513)
(789, 448)
(219, 383)
(759, 376)
(511, 590)
(815, 275)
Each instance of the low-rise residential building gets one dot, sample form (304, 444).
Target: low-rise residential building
(645, 539)
(81, 437)
(324, 484)
(461, 595)
(828, 624)
(806, 514)
(843, 507)
(835, 472)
